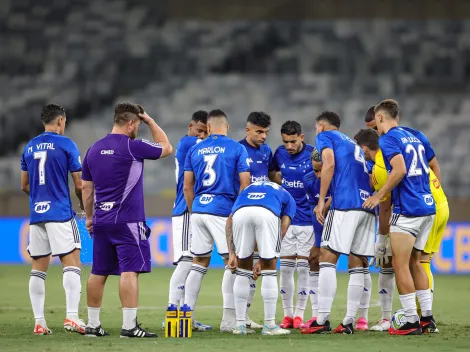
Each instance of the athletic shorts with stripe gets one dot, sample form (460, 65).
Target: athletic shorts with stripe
(181, 232)
(351, 231)
(418, 227)
(298, 241)
(206, 230)
(56, 238)
(259, 225)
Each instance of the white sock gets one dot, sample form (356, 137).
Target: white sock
(326, 291)
(227, 295)
(193, 284)
(363, 311)
(241, 291)
(408, 303)
(178, 280)
(314, 276)
(269, 292)
(94, 317)
(37, 295)
(73, 290)
(302, 287)
(287, 286)
(252, 285)
(129, 318)
(425, 302)
(386, 290)
(355, 290)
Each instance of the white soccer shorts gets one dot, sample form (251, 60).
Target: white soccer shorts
(206, 230)
(298, 241)
(56, 238)
(419, 227)
(253, 225)
(181, 233)
(351, 231)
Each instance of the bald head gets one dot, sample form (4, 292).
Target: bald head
(217, 122)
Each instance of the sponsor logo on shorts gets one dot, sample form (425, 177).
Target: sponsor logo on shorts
(364, 194)
(428, 199)
(42, 207)
(107, 206)
(256, 195)
(206, 198)
(107, 152)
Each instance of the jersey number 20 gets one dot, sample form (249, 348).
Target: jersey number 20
(42, 156)
(414, 169)
(210, 175)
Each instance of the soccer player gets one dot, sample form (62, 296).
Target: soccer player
(349, 229)
(312, 190)
(113, 197)
(260, 157)
(292, 162)
(210, 169)
(413, 215)
(261, 215)
(45, 164)
(181, 219)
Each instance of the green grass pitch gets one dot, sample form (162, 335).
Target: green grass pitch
(451, 310)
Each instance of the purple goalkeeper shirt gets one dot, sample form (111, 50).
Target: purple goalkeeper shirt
(115, 165)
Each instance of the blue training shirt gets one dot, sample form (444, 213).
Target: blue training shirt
(268, 195)
(412, 196)
(293, 168)
(180, 206)
(49, 158)
(350, 186)
(215, 162)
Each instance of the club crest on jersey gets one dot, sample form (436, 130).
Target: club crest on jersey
(256, 195)
(364, 194)
(428, 199)
(42, 207)
(206, 198)
(106, 206)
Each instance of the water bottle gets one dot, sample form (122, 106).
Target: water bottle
(185, 321)
(171, 321)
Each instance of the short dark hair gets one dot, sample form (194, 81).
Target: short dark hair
(370, 114)
(291, 127)
(367, 137)
(216, 113)
(50, 112)
(259, 118)
(200, 116)
(390, 106)
(331, 117)
(315, 155)
(124, 112)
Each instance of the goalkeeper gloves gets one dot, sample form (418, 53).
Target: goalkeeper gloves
(380, 258)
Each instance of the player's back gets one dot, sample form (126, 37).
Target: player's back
(182, 150)
(412, 196)
(268, 195)
(49, 158)
(350, 186)
(216, 162)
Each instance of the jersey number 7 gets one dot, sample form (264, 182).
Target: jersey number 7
(42, 156)
(209, 170)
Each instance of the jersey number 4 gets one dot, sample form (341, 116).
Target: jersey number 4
(42, 156)
(414, 169)
(210, 176)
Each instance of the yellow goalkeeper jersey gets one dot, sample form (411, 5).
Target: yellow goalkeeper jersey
(380, 176)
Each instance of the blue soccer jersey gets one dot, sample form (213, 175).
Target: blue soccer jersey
(49, 158)
(268, 195)
(293, 168)
(412, 196)
(215, 162)
(429, 152)
(182, 150)
(259, 160)
(350, 186)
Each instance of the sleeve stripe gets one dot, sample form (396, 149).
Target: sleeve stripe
(153, 144)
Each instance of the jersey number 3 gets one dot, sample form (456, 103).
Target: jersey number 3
(210, 175)
(42, 156)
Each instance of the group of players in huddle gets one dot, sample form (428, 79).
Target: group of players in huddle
(305, 204)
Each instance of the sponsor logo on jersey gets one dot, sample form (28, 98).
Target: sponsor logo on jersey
(428, 199)
(436, 183)
(249, 161)
(42, 207)
(292, 168)
(258, 178)
(153, 144)
(107, 152)
(283, 166)
(364, 194)
(107, 206)
(256, 195)
(292, 184)
(206, 198)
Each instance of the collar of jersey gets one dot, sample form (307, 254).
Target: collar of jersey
(49, 132)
